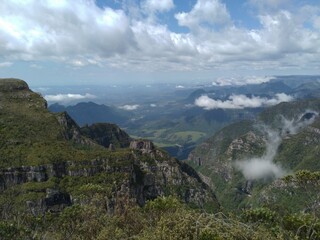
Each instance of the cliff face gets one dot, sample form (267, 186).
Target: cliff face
(52, 163)
(145, 176)
(106, 134)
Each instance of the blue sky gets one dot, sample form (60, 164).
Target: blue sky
(63, 42)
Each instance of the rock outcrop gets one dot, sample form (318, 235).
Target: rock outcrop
(52, 163)
(54, 202)
(106, 134)
(144, 180)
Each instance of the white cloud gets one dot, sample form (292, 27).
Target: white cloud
(68, 97)
(241, 81)
(180, 86)
(79, 34)
(264, 167)
(130, 107)
(45, 29)
(158, 6)
(240, 101)
(212, 12)
(5, 64)
(257, 168)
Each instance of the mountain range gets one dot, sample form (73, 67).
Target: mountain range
(52, 163)
(175, 123)
(257, 178)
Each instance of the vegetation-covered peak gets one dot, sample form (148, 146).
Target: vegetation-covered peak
(44, 152)
(12, 84)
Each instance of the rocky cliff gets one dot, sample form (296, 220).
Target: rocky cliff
(106, 134)
(50, 163)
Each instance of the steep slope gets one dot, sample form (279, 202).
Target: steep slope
(244, 158)
(106, 134)
(48, 162)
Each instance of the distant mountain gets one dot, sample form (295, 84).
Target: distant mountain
(295, 81)
(194, 95)
(89, 113)
(59, 181)
(176, 124)
(270, 87)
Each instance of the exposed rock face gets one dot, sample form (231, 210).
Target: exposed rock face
(71, 130)
(145, 181)
(53, 163)
(106, 134)
(145, 146)
(54, 202)
(246, 144)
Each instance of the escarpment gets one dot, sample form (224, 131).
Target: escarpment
(52, 163)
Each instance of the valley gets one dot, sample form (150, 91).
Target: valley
(246, 168)
(171, 117)
(160, 120)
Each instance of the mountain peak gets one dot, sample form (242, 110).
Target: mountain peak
(12, 84)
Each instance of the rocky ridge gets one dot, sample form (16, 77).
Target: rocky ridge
(55, 165)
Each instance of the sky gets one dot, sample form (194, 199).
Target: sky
(77, 42)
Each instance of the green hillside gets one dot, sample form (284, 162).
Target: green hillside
(60, 181)
(217, 158)
(50, 168)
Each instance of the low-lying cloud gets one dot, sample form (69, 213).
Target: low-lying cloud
(295, 126)
(241, 80)
(241, 101)
(264, 167)
(68, 97)
(130, 107)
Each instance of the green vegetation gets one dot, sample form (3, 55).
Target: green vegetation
(90, 192)
(163, 218)
(106, 134)
(244, 140)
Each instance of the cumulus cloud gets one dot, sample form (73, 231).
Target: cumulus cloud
(241, 101)
(68, 97)
(79, 33)
(158, 6)
(62, 29)
(212, 12)
(130, 107)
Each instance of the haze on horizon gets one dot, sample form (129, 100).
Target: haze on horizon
(86, 42)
